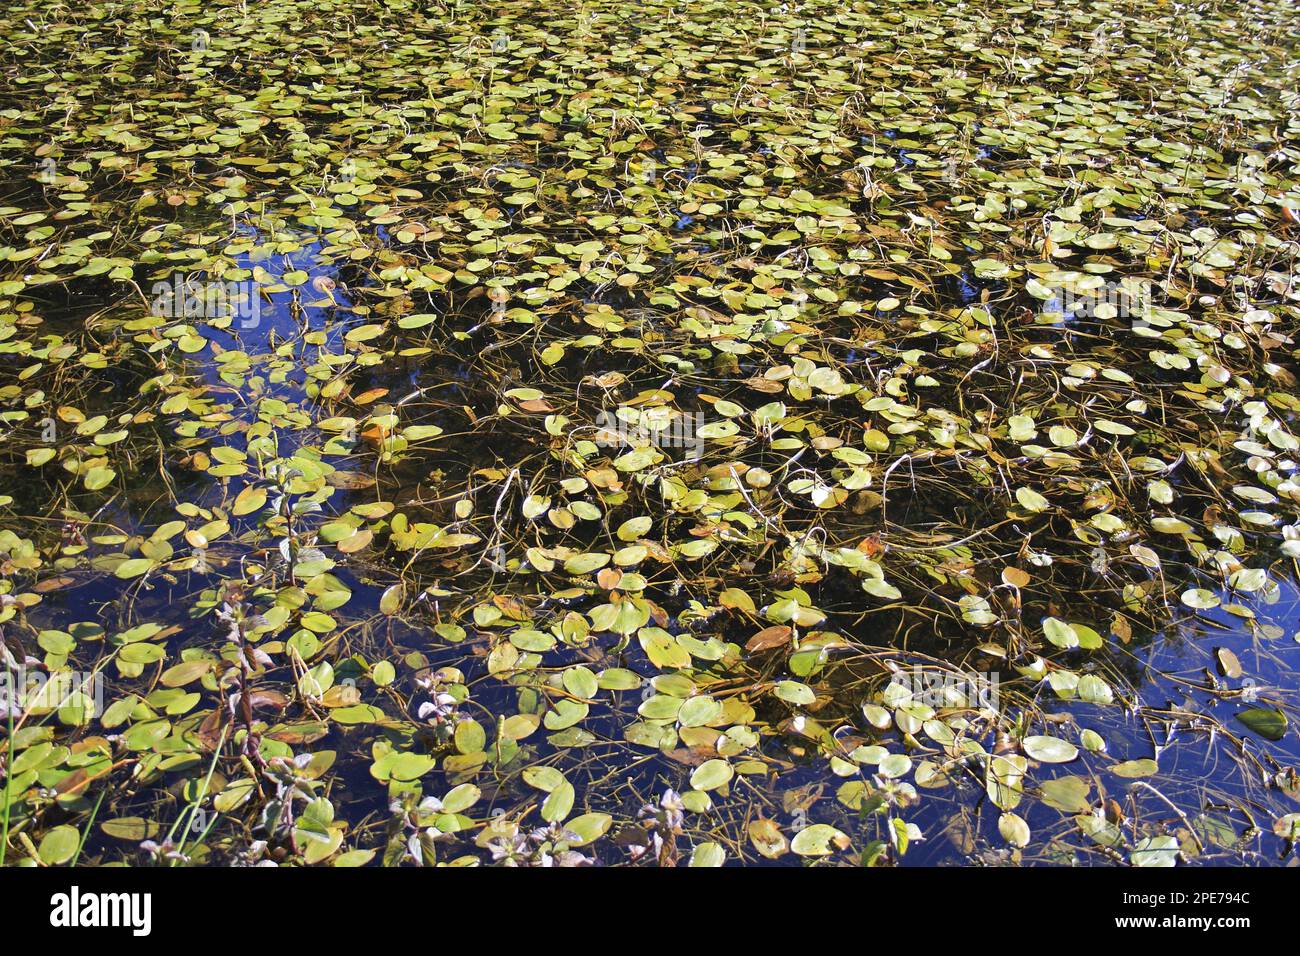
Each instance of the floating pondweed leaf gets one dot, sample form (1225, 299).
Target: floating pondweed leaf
(543, 778)
(58, 845)
(1014, 829)
(1268, 722)
(708, 855)
(558, 803)
(777, 635)
(819, 839)
(894, 765)
(1050, 749)
(1200, 598)
(1031, 500)
(1094, 690)
(1155, 851)
(1100, 830)
(133, 829)
(1060, 633)
(1069, 794)
(1229, 665)
(711, 775)
(794, 692)
(588, 827)
(768, 839)
(1133, 769)
(1092, 741)
(1004, 780)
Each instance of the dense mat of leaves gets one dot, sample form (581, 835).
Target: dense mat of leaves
(597, 433)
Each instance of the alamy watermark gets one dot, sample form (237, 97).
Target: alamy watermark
(189, 297)
(31, 691)
(1127, 299)
(943, 688)
(675, 430)
(75, 909)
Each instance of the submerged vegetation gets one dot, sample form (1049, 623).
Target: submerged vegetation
(661, 433)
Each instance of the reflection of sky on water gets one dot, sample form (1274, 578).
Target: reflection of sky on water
(1179, 663)
(1198, 769)
(277, 321)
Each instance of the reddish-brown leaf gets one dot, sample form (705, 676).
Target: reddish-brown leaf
(770, 637)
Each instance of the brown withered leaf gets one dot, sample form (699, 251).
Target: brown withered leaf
(767, 838)
(871, 545)
(348, 480)
(1121, 628)
(1014, 577)
(760, 384)
(210, 730)
(341, 695)
(304, 733)
(770, 637)
(691, 756)
(53, 584)
(268, 699)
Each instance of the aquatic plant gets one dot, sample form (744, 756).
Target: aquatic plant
(689, 433)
